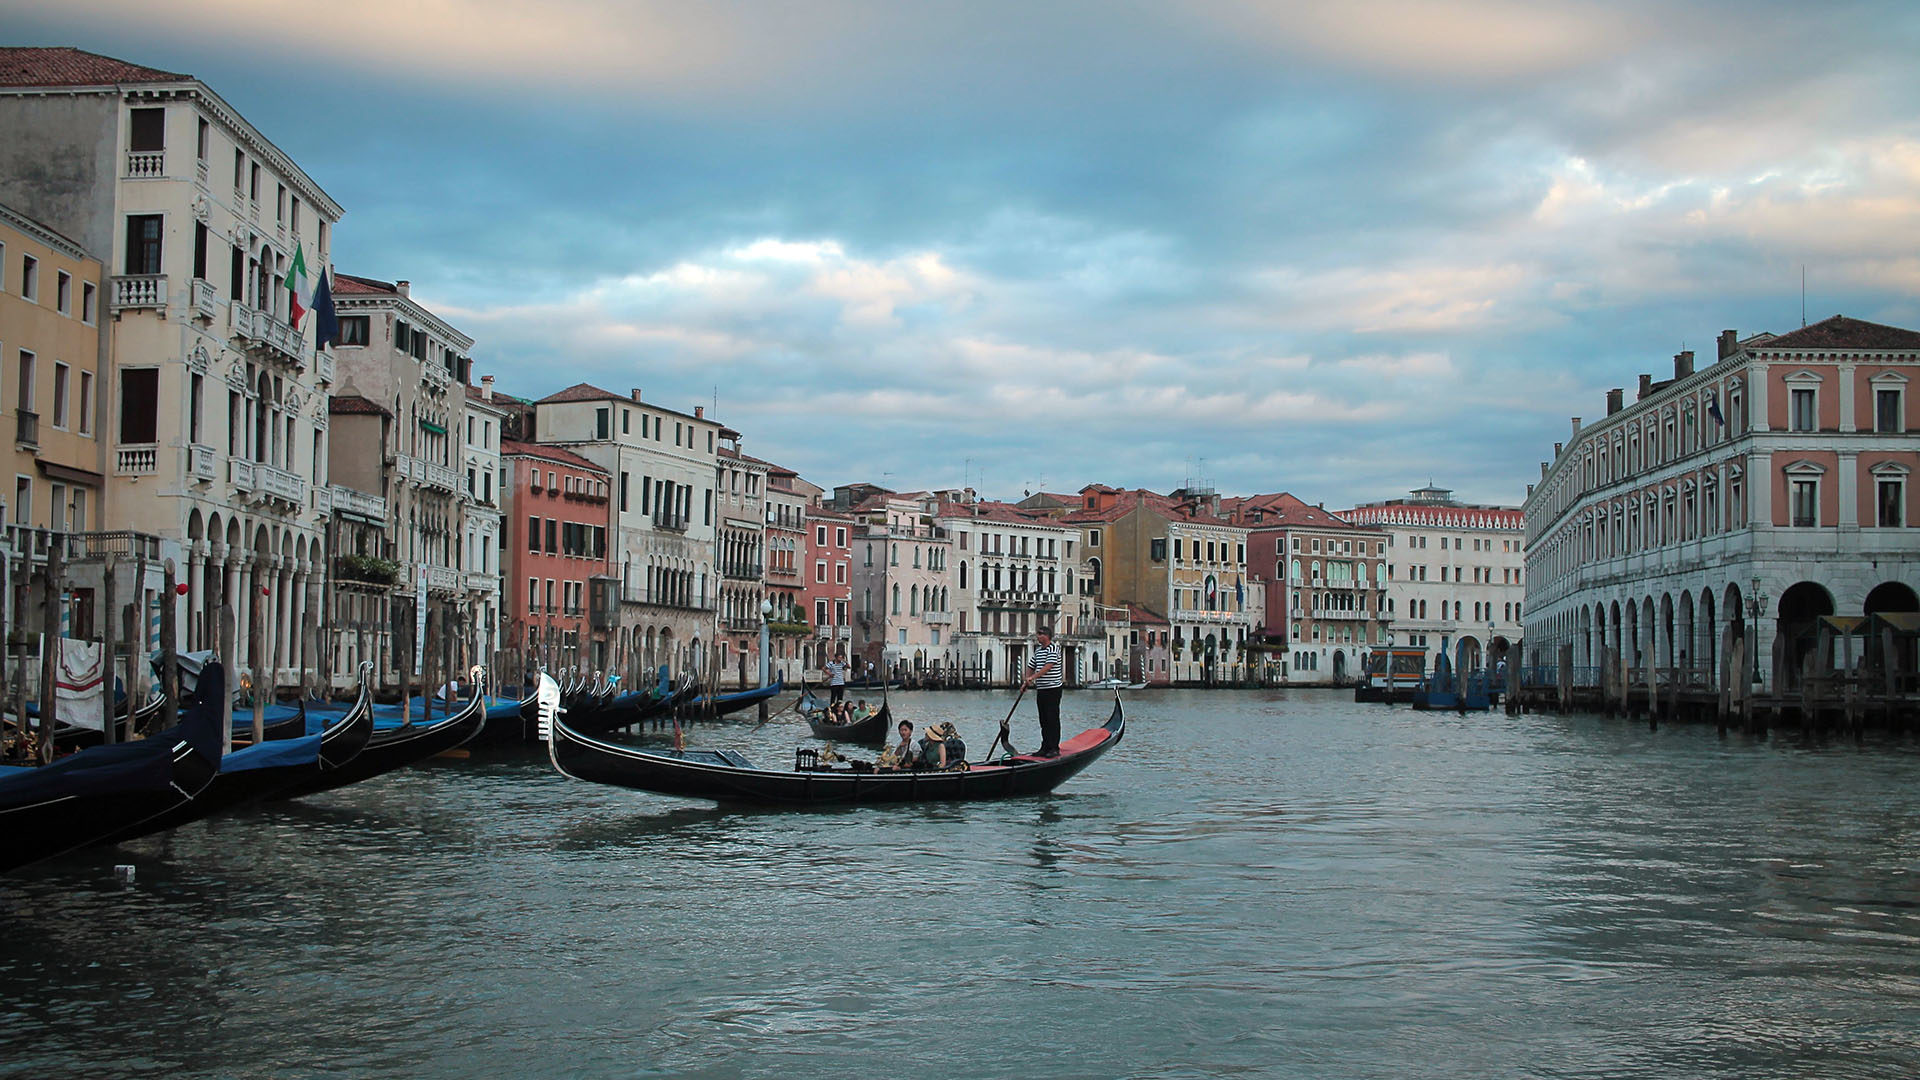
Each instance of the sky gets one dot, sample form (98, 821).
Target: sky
(1336, 249)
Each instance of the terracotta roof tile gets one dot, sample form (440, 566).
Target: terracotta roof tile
(1280, 509)
(355, 405)
(354, 285)
(509, 448)
(580, 392)
(66, 66)
(1841, 332)
(1138, 614)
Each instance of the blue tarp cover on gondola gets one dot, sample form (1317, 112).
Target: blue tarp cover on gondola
(272, 754)
(120, 766)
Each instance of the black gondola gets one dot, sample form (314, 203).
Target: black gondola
(80, 799)
(397, 747)
(711, 706)
(726, 776)
(871, 731)
(268, 768)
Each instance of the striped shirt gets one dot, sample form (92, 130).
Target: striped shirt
(1043, 656)
(836, 673)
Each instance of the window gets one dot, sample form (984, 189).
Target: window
(840, 536)
(602, 423)
(204, 141)
(1801, 413)
(1891, 500)
(553, 537)
(86, 402)
(63, 293)
(29, 277)
(24, 398)
(87, 302)
(139, 405)
(353, 330)
(239, 169)
(1805, 502)
(143, 244)
(253, 182)
(22, 500)
(60, 374)
(147, 129)
(1157, 549)
(533, 534)
(1886, 410)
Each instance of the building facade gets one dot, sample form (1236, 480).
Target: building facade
(740, 512)
(1013, 574)
(903, 622)
(1323, 583)
(1456, 576)
(559, 503)
(218, 401)
(1707, 530)
(663, 464)
(789, 627)
(829, 585)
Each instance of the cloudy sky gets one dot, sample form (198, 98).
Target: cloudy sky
(1336, 249)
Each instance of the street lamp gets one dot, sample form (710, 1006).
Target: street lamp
(1756, 603)
(766, 609)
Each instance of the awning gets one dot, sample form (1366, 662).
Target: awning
(69, 473)
(435, 428)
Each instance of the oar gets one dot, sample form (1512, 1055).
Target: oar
(1005, 725)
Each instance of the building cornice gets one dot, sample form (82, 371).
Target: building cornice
(360, 302)
(44, 235)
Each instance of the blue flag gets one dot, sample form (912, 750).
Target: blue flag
(1239, 594)
(1713, 410)
(326, 321)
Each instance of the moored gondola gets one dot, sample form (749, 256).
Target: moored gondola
(709, 706)
(267, 768)
(396, 746)
(726, 776)
(83, 798)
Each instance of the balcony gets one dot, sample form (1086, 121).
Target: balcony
(831, 632)
(26, 427)
(436, 378)
(938, 618)
(146, 164)
(440, 579)
(358, 503)
(133, 292)
(206, 302)
(783, 573)
(440, 477)
(481, 581)
(202, 463)
(240, 475)
(670, 522)
(266, 334)
(280, 485)
(323, 365)
(365, 571)
(140, 460)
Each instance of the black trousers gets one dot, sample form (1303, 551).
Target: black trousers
(838, 693)
(1049, 703)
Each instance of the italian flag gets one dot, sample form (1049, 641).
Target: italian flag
(300, 285)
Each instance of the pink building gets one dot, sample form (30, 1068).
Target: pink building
(828, 573)
(556, 534)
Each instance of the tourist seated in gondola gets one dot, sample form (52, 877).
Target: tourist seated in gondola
(900, 755)
(942, 748)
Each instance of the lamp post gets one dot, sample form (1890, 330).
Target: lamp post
(1756, 603)
(766, 609)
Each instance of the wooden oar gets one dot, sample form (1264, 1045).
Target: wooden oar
(1006, 725)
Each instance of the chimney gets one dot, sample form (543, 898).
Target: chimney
(1543, 470)
(635, 393)
(1557, 448)
(486, 388)
(1729, 343)
(1616, 400)
(1683, 364)
(401, 287)
(1576, 427)
(699, 412)
(1646, 387)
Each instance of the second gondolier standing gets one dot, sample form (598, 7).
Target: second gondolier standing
(1046, 675)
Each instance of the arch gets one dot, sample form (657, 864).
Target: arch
(1890, 596)
(1797, 633)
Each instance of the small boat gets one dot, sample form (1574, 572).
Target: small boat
(729, 777)
(268, 768)
(396, 745)
(869, 731)
(1115, 684)
(712, 705)
(85, 797)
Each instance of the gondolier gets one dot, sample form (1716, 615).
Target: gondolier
(1046, 675)
(837, 677)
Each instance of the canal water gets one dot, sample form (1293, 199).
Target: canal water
(1279, 884)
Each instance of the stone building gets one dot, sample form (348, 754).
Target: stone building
(1713, 529)
(1324, 582)
(560, 503)
(217, 400)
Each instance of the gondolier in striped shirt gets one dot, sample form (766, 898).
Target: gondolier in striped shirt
(837, 677)
(1046, 675)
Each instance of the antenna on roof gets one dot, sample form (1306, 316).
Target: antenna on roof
(1803, 296)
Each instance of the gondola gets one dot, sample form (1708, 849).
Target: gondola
(396, 746)
(728, 777)
(510, 722)
(871, 731)
(708, 706)
(83, 798)
(630, 709)
(267, 768)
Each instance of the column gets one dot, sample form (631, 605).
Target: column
(195, 633)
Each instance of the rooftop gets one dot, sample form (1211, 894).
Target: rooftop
(1841, 332)
(67, 66)
(509, 448)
